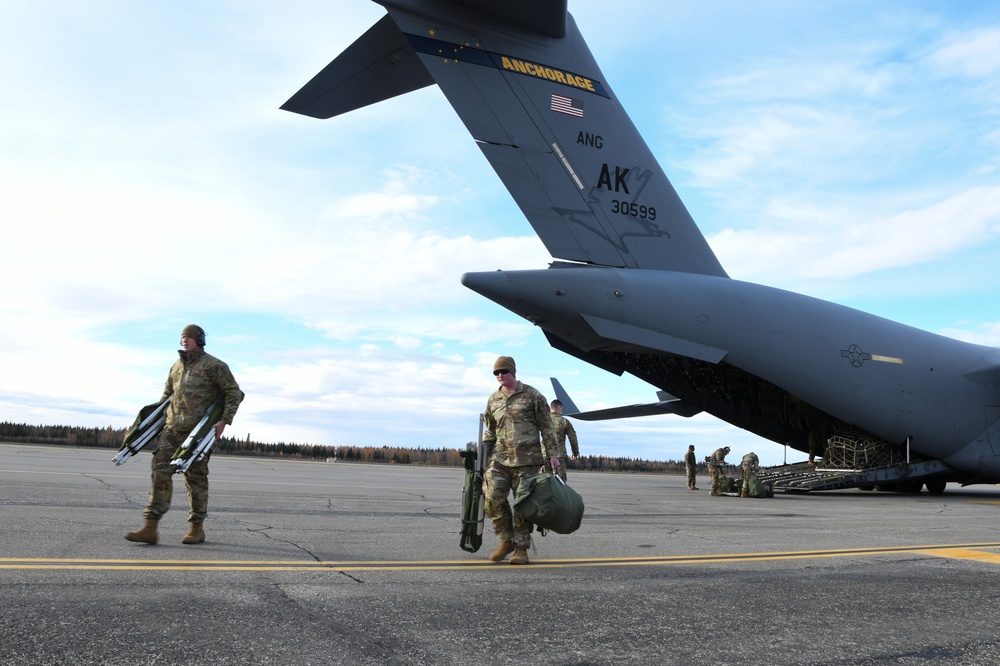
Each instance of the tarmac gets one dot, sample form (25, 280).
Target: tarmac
(334, 563)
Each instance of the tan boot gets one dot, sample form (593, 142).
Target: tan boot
(145, 534)
(504, 548)
(195, 534)
(520, 556)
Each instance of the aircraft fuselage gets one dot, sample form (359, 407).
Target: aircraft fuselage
(892, 380)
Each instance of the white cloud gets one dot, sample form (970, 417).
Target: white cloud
(982, 333)
(971, 54)
(842, 249)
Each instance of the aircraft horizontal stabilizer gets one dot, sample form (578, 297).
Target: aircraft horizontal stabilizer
(379, 65)
(667, 404)
(676, 406)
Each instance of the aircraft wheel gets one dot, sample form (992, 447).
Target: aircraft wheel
(911, 486)
(936, 486)
(869, 488)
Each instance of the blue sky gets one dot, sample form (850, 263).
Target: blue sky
(148, 180)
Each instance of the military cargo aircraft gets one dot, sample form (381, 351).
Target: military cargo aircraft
(635, 287)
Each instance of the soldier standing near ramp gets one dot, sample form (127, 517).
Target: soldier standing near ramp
(561, 429)
(196, 379)
(519, 432)
(715, 463)
(691, 467)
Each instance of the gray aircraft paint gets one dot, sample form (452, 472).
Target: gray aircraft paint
(638, 289)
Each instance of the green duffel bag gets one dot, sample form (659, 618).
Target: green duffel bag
(546, 501)
(758, 488)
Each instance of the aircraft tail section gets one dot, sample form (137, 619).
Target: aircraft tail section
(531, 94)
(546, 17)
(378, 65)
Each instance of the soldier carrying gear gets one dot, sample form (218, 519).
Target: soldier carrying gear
(750, 466)
(715, 463)
(520, 433)
(195, 381)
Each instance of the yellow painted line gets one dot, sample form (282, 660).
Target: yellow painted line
(973, 551)
(964, 554)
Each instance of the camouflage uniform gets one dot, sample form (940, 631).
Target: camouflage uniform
(817, 445)
(195, 381)
(719, 455)
(561, 429)
(691, 467)
(750, 466)
(514, 424)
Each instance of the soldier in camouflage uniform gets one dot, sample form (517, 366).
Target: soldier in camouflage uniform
(691, 467)
(750, 464)
(519, 434)
(561, 429)
(195, 381)
(715, 468)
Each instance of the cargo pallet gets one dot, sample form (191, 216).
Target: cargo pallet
(854, 459)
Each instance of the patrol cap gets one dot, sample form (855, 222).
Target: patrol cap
(505, 363)
(197, 333)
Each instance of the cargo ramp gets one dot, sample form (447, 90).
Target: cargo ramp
(803, 477)
(855, 459)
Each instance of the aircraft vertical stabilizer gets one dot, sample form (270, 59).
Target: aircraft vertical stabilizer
(541, 111)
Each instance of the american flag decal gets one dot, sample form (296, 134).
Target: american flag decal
(567, 105)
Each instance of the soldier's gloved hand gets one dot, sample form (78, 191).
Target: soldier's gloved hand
(554, 463)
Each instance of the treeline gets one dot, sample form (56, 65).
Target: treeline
(111, 438)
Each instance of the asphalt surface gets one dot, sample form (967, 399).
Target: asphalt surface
(331, 563)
